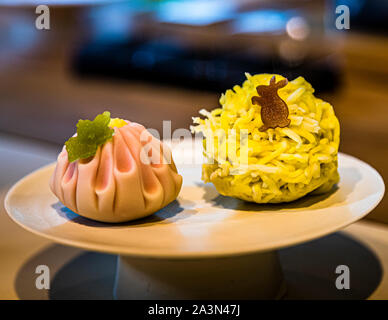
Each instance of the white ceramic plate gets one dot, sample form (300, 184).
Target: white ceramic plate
(201, 223)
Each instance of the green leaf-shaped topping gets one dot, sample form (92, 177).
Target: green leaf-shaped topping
(90, 135)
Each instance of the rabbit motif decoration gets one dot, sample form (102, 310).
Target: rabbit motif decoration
(274, 111)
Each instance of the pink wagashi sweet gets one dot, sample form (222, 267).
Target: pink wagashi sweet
(132, 175)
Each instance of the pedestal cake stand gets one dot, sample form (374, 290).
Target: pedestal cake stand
(203, 245)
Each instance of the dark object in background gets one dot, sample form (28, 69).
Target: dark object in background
(208, 45)
(167, 62)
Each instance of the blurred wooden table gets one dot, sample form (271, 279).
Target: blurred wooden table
(362, 105)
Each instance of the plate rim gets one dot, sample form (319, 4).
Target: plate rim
(114, 249)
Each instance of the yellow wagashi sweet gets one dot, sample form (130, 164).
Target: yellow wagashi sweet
(281, 164)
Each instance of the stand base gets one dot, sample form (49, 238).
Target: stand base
(254, 276)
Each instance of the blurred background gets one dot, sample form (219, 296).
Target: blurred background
(150, 61)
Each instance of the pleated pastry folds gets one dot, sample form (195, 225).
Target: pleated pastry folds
(131, 176)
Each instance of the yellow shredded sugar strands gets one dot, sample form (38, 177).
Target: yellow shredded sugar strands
(283, 163)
